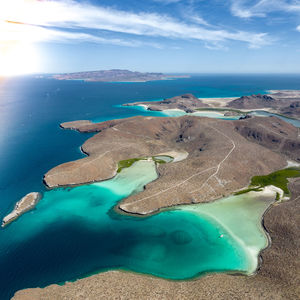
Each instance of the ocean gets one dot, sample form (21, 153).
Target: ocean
(31, 141)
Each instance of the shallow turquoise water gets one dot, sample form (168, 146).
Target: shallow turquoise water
(294, 122)
(75, 231)
(164, 158)
(179, 113)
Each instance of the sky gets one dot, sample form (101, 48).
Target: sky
(172, 36)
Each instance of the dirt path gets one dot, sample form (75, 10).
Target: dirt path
(192, 176)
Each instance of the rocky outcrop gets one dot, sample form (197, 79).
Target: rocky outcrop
(76, 125)
(292, 110)
(295, 105)
(186, 102)
(275, 134)
(285, 102)
(27, 203)
(88, 126)
(245, 117)
(253, 102)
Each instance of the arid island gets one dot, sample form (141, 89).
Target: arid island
(27, 203)
(116, 75)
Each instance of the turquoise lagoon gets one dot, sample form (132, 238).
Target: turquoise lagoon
(179, 113)
(76, 231)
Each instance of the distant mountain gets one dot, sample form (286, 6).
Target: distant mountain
(115, 75)
(285, 102)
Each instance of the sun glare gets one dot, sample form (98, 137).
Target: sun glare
(18, 55)
(17, 59)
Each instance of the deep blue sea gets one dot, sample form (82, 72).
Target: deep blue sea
(31, 141)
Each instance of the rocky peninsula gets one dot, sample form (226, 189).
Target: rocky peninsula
(222, 156)
(27, 203)
(186, 102)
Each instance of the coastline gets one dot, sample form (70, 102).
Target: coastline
(252, 252)
(281, 103)
(208, 274)
(262, 222)
(104, 98)
(178, 157)
(216, 110)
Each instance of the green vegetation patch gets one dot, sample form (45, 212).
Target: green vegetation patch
(222, 110)
(159, 161)
(258, 189)
(277, 178)
(162, 161)
(128, 163)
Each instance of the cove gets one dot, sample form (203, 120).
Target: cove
(74, 232)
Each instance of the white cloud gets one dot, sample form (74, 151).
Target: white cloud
(246, 8)
(198, 20)
(298, 28)
(215, 46)
(72, 20)
(167, 1)
(239, 10)
(10, 32)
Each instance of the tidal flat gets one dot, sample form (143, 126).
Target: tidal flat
(241, 216)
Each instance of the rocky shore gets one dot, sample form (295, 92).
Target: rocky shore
(76, 125)
(27, 203)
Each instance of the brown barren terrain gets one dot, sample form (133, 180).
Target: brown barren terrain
(186, 102)
(116, 75)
